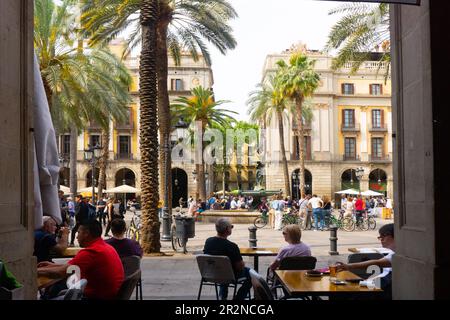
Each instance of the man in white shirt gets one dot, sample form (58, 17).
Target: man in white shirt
(387, 241)
(316, 204)
(234, 204)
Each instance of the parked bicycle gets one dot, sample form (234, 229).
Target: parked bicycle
(134, 230)
(262, 220)
(180, 237)
(340, 222)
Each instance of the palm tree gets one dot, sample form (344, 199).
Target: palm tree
(266, 100)
(81, 86)
(298, 80)
(201, 110)
(148, 124)
(363, 28)
(181, 25)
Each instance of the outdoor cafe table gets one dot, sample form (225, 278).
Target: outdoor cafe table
(45, 282)
(383, 251)
(298, 284)
(258, 252)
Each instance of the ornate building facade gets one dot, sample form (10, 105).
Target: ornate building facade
(351, 128)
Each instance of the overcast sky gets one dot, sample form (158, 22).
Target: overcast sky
(264, 27)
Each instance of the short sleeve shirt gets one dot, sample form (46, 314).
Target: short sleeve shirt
(294, 250)
(101, 266)
(43, 243)
(125, 247)
(222, 247)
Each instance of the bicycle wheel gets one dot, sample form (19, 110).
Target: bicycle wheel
(173, 233)
(363, 225)
(348, 224)
(260, 222)
(372, 223)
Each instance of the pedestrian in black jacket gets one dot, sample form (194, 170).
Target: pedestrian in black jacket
(81, 214)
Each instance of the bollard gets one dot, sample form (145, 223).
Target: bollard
(333, 241)
(252, 237)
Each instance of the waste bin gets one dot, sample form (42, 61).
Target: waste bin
(185, 227)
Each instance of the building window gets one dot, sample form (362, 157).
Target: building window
(306, 148)
(348, 88)
(124, 146)
(348, 117)
(377, 118)
(350, 148)
(94, 140)
(377, 148)
(176, 85)
(65, 144)
(376, 89)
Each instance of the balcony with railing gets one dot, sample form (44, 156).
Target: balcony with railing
(378, 127)
(369, 66)
(128, 125)
(124, 156)
(94, 126)
(351, 157)
(380, 158)
(306, 126)
(350, 127)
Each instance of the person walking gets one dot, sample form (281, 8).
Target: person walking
(316, 206)
(278, 206)
(81, 214)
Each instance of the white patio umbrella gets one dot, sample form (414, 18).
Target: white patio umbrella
(123, 189)
(348, 191)
(87, 189)
(65, 189)
(370, 193)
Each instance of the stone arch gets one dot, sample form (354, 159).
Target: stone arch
(295, 183)
(378, 180)
(180, 183)
(88, 177)
(349, 179)
(126, 174)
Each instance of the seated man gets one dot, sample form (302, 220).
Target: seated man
(387, 241)
(99, 264)
(46, 240)
(295, 248)
(125, 247)
(221, 246)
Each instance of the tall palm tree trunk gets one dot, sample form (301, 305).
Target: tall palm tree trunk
(103, 162)
(165, 159)
(73, 161)
(287, 186)
(299, 106)
(200, 166)
(149, 129)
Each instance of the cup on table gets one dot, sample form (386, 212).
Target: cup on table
(332, 266)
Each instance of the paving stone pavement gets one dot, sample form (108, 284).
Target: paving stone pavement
(176, 276)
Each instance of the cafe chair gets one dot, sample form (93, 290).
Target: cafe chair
(215, 271)
(76, 292)
(260, 287)
(362, 257)
(130, 265)
(290, 263)
(128, 285)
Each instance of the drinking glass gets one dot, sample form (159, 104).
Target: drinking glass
(333, 269)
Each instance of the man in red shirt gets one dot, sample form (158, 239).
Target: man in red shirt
(359, 207)
(99, 264)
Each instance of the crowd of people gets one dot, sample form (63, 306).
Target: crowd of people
(100, 261)
(220, 245)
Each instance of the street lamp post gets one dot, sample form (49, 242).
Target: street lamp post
(64, 163)
(359, 174)
(167, 219)
(92, 154)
